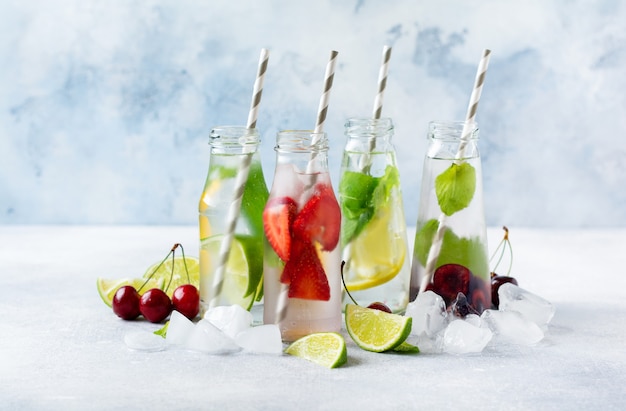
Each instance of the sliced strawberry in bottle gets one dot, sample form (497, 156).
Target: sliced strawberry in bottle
(451, 279)
(320, 218)
(278, 217)
(306, 274)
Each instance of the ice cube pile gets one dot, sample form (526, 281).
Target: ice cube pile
(222, 330)
(522, 318)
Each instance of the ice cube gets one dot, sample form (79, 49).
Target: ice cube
(262, 339)
(207, 338)
(430, 345)
(473, 319)
(461, 337)
(531, 306)
(179, 329)
(511, 326)
(429, 314)
(144, 341)
(231, 319)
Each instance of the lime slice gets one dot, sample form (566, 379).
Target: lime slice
(236, 276)
(377, 253)
(107, 287)
(375, 330)
(327, 349)
(179, 276)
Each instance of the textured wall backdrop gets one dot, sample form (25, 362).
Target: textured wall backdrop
(106, 106)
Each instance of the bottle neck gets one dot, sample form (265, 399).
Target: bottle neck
(369, 135)
(453, 140)
(234, 140)
(305, 149)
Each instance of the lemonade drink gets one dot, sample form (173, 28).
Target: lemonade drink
(451, 194)
(302, 254)
(243, 277)
(373, 228)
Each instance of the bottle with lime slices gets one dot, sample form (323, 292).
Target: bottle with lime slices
(451, 230)
(373, 228)
(243, 276)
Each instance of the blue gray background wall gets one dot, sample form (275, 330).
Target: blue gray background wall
(106, 106)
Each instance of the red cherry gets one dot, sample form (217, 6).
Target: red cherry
(451, 279)
(380, 306)
(155, 305)
(126, 303)
(186, 300)
(496, 282)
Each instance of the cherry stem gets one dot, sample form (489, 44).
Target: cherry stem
(344, 284)
(503, 243)
(155, 270)
(173, 252)
(182, 249)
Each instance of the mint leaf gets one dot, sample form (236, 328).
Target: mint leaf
(455, 187)
(468, 252)
(388, 181)
(355, 191)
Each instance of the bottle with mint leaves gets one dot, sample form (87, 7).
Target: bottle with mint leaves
(373, 228)
(452, 197)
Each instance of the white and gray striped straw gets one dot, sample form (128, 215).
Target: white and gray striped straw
(473, 103)
(435, 248)
(282, 302)
(240, 185)
(382, 82)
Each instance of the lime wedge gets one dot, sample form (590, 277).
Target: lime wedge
(375, 330)
(179, 277)
(326, 349)
(236, 276)
(107, 287)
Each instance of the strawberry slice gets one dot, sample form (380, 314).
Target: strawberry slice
(305, 273)
(278, 217)
(320, 218)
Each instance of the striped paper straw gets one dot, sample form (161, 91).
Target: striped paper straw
(328, 84)
(435, 248)
(282, 301)
(382, 82)
(365, 161)
(240, 185)
(473, 103)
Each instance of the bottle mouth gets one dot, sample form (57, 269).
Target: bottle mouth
(223, 136)
(301, 141)
(452, 130)
(368, 127)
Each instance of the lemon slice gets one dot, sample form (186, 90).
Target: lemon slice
(326, 349)
(377, 253)
(235, 288)
(179, 277)
(375, 330)
(107, 287)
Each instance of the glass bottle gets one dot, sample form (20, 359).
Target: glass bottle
(373, 228)
(302, 254)
(451, 209)
(243, 275)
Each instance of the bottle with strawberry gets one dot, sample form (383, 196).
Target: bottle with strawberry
(302, 220)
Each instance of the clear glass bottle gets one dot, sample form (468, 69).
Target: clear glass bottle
(452, 198)
(243, 276)
(302, 254)
(373, 228)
